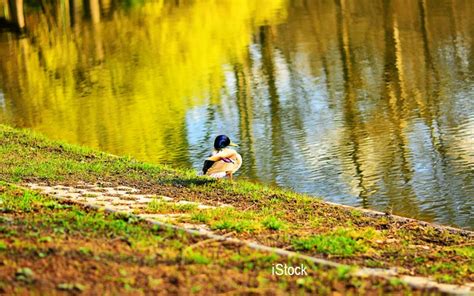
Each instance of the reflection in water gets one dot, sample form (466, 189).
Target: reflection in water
(363, 103)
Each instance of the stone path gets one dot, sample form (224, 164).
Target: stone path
(121, 199)
(130, 200)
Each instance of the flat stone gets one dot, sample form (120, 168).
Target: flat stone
(85, 186)
(122, 208)
(126, 189)
(48, 190)
(151, 216)
(62, 187)
(185, 202)
(90, 194)
(128, 197)
(204, 207)
(122, 203)
(71, 195)
(161, 216)
(199, 227)
(99, 203)
(143, 200)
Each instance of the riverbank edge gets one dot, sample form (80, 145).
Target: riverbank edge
(368, 212)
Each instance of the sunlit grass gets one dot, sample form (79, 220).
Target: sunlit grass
(338, 243)
(274, 223)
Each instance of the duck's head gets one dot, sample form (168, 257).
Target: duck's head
(222, 141)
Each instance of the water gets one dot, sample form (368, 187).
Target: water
(361, 103)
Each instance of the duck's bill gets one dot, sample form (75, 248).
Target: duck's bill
(233, 144)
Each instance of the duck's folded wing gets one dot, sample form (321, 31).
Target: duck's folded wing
(207, 165)
(221, 167)
(224, 153)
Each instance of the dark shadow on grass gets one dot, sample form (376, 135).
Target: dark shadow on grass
(186, 182)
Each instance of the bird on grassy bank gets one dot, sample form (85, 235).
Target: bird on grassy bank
(224, 161)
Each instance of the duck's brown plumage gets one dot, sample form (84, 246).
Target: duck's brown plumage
(226, 162)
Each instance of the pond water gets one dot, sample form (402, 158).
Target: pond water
(364, 103)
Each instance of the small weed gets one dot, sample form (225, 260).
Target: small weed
(71, 287)
(441, 266)
(53, 205)
(159, 206)
(200, 217)
(154, 282)
(329, 244)
(234, 225)
(445, 278)
(419, 260)
(305, 281)
(343, 272)
(396, 282)
(315, 221)
(89, 195)
(273, 223)
(25, 275)
(373, 263)
(7, 232)
(45, 239)
(465, 251)
(196, 257)
(85, 251)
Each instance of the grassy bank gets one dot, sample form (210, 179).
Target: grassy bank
(48, 246)
(270, 216)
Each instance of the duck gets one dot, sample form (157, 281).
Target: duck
(223, 161)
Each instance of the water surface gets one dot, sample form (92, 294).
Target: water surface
(360, 102)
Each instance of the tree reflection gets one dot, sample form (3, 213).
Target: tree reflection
(364, 103)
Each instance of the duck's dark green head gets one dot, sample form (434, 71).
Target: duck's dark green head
(222, 141)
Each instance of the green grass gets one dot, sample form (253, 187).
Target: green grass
(197, 257)
(234, 225)
(464, 251)
(229, 219)
(333, 244)
(343, 272)
(200, 217)
(274, 223)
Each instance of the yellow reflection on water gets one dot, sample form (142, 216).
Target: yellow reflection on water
(124, 80)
